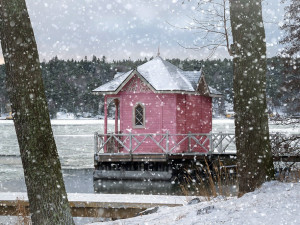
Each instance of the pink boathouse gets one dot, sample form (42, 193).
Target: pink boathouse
(162, 110)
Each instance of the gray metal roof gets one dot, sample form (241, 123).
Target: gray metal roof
(161, 75)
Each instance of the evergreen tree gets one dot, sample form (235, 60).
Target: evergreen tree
(68, 84)
(290, 90)
(291, 27)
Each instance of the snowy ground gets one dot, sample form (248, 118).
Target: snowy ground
(274, 203)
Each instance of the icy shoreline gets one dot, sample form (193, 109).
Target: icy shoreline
(219, 125)
(69, 121)
(273, 203)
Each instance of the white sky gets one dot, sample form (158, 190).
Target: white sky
(120, 29)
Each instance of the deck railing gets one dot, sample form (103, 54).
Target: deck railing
(210, 143)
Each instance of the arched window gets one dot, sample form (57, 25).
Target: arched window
(139, 115)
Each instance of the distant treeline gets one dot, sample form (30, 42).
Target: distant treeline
(68, 83)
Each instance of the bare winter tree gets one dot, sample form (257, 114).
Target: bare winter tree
(211, 21)
(42, 170)
(254, 154)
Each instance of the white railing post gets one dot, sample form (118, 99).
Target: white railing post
(190, 142)
(218, 142)
(167, 141)
(130, 143)
(211, 144)
(221, 144)
(96, 143)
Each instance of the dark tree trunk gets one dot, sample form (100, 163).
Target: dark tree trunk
(42, 169)
(255, 164)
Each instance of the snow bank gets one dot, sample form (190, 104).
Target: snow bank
(6, 122)
(65, 116)
(223, 121)
(75, 122)
(69, 121)
(274, 203)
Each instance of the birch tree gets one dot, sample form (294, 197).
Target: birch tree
(42, 170)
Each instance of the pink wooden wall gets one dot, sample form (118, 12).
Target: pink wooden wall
(173, 113)
(194, 115)
(160, 115)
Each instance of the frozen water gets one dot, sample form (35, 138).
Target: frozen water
(74, 139)
(227, 126)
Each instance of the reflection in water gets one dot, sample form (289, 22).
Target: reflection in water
(164, 188)
(136, 187)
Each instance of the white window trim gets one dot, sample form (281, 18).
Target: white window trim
(133, 116)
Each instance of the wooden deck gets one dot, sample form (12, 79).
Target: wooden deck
(161, 156)
(143, 157)
(121, 157)
(115, 206)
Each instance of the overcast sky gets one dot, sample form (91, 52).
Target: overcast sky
(120, 29)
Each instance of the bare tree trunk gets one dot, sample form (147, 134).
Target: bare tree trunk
(255, 164)
(42, 169)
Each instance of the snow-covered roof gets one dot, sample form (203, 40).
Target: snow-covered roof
(118, 74)
(161, 75)
(112, 85)
(164, 76)
(213, 91)
(193, 77)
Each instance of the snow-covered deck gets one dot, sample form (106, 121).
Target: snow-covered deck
(101, 205)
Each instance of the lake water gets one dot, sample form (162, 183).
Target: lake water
(74, 139)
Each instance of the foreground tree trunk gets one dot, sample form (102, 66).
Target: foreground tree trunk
(255, 163)
(46, 191)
